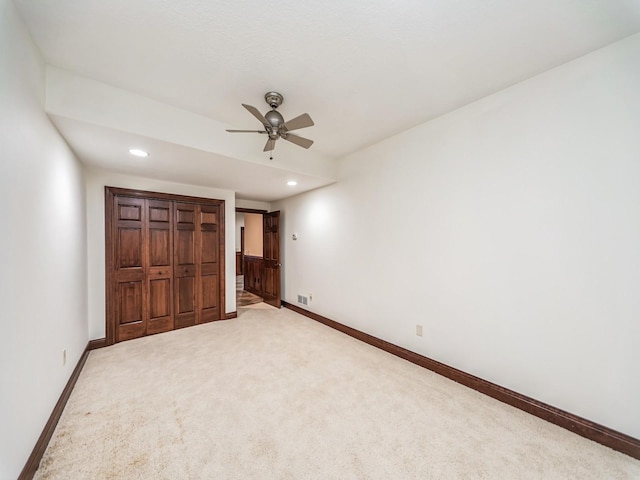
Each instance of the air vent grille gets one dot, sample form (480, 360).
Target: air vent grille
(303, 300)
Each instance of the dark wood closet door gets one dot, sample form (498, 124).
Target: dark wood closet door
(207, 240)
(160, 266)
(185, 265)
(144, 275)
(165, 262)
(129, 273)
(271, 255)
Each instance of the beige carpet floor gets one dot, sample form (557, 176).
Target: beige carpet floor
(274, 395)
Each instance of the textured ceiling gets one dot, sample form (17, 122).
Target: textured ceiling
(364, 70)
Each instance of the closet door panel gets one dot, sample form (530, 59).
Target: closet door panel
(129, 274)
(160, 294)
(209, 308)
(209, 300)
(130, 304)
(160, 302)
(130, 310)
(129, 248)
(185, 268)
(160, 271)
(159, 247)
(186, 241)
(186, 294)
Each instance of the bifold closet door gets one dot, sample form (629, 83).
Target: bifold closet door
(160, 270)
(165, 262)
(185, 266)
(196, 264)
(143, 276)
(208, 302)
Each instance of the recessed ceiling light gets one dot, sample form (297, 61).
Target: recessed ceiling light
(292, 183)
(138, 153)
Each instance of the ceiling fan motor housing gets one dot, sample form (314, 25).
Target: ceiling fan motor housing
(274, 118)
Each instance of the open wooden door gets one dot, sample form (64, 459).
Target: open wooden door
(271, 254)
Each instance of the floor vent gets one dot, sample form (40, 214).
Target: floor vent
(303, 300)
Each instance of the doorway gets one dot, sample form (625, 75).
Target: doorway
(249, 256)
(257, 257)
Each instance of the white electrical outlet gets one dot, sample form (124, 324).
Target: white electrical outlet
(310, 297)
(419, 330)
(64, 357)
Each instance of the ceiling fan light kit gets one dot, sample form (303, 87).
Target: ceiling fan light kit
(275, 126)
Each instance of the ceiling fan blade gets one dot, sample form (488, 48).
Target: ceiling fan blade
(301, 121)
(300, 141)
(271, 144)
(256, 113)
(246, 131)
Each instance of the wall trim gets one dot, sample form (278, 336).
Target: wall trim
(97, 343)
(230, 315)
(581, 426)
(33, 462)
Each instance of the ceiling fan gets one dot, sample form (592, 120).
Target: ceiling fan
(275, 126)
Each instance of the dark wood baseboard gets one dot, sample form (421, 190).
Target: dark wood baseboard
(230, 315)
(33, 462)
(583, 427)
(97, 343)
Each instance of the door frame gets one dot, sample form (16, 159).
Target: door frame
(263, 213)
(110, 246)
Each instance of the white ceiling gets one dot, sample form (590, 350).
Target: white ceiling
(363, 69)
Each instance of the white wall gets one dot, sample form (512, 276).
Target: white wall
(509, 229)
(254, 204)
(42, 250)
(96, 181)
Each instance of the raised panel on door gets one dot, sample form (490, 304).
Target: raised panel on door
(185, 270)
(270, 283)
(129, 241)
(210, 293)
(129, 248)
(159, 247)
(160, 305)
(185, 301)
(253, 274)
(160, 271)
(160, 293)
(129, 310)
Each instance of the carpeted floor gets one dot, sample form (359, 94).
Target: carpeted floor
(274, 395)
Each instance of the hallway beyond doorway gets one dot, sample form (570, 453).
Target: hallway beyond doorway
(243, 297)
